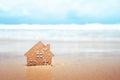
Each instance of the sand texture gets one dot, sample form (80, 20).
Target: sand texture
(66, 66)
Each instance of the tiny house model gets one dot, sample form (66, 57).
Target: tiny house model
(39, 54)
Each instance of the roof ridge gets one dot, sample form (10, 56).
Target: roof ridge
(39, 42)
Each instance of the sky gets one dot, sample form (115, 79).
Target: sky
(59, 12)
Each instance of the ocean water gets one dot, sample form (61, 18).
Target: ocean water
(61, 35)
(86, 43)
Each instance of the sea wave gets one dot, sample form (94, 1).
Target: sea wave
(64, 35)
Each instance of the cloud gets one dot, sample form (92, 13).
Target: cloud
(98, 8)
(25, 12)
(64, 10)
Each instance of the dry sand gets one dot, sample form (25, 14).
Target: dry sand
(83, 69)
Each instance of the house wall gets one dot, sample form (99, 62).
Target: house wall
(33, 60)
(39, 55)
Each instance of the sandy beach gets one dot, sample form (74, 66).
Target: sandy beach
(59, 39)
(69, 65)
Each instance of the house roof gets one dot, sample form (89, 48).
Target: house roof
(37, 46)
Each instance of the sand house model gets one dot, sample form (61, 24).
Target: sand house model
(39, 54)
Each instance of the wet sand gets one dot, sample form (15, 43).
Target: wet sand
(84, 69)
(65, 67)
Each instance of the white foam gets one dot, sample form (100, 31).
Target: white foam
(64, 26)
